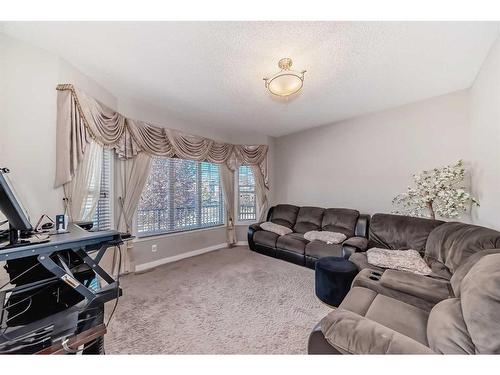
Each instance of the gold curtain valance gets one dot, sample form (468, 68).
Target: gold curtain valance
(81, 118)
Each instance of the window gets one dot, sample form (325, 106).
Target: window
(102, 217)
(180, 195)
(247, 208)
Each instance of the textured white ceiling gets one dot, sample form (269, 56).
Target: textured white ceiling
(210, 73)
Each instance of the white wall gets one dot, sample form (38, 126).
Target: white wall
(28, 80)
(485, 139)
(364, 162)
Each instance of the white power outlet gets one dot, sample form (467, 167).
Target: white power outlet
(154, 248)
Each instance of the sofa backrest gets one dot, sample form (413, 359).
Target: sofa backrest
(308, 218)
(465, 267)
(400, 232)
(470, 324)
(480, 300)
(453, 243)
(341, 220)
(284, 214)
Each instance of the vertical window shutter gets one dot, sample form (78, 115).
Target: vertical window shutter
(102, 217)
(247, 207)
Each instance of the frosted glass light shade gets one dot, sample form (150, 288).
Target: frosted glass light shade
(286, 82)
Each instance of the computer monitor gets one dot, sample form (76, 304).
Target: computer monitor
(11, 207)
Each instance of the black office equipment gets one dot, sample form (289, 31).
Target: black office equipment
(54, 301)
(11, 208)
(59, 279)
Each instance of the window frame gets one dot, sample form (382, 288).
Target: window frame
(111, 190)
(240, 221)
(163, 233)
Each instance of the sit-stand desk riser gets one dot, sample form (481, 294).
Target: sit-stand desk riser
(80, 243)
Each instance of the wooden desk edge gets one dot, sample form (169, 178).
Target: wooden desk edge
(77, 340)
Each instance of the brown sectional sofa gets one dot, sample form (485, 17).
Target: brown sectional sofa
(454, 310)
(294, 248)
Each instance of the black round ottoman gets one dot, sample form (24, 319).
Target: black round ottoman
(334, 276)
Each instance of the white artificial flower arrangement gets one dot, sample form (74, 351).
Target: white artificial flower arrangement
(437, 192)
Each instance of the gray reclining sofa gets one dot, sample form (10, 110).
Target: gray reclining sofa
(294, 247)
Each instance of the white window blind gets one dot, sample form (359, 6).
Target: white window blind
(180, 195)
(247, 207)
(102, 218)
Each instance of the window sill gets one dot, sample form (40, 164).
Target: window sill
(150, 237)
(245, 222)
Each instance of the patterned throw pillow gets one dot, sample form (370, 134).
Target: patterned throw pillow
(275, 228)
(325, 236)
(403, 260)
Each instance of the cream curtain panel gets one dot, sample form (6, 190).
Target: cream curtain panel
(227, 179)
(80, 118)
(132, 175)
(82, 192)
(260, 192)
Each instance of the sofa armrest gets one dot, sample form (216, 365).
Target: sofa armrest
(251, 231)
(255, 227)
(360, 243)
(351, 333)
(353, 245)
(424, 287)
(362, 225)
(317, 343)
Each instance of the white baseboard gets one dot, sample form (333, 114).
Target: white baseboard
(175, 258)
(242, 243)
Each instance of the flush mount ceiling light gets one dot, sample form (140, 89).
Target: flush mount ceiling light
(286, 82)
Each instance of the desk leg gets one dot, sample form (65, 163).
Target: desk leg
(60, 273)
(93, 264)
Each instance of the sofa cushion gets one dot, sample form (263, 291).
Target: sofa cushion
(294, 242)
(308, 218)
(452, 243)
(350, 333)
(400, 232)
(358, 300)
(341, 220)
(263, 237)
(319, 249)
(446, 329)
(480, 302)
(401, 317)
(285, 214)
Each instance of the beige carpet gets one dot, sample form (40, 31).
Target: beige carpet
(230, 301)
